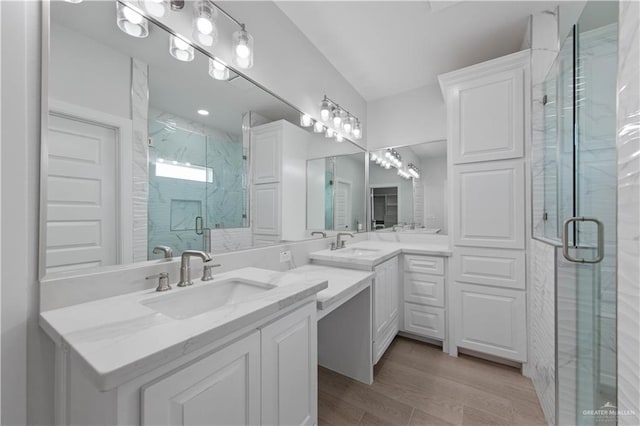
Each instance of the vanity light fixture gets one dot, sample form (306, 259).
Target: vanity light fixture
(357, 130)
(413, 170)
(336, 116)
(218, 70)
(306, 120)
(318, 127)
(403, 174)
(347, 126)
(329, 133)
(203, 112)
(131, 22)
(341, 119)
(157, 8)
(339, 137)
(204, 23)
(180, 49)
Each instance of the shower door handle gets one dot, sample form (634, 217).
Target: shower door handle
(565, 240)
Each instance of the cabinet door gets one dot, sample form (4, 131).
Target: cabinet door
(289, 369)
(424, 321)
(424, 289)
(386, 305)
(380, 305)
(220, 389)
(488, 204)
(393, 291)
(492, 321)
(266, 154)
(266, 209)
(487, 118)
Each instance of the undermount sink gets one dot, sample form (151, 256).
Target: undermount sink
(204, 297)
(358, 251)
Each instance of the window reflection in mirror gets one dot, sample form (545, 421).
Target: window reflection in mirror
(400, 202)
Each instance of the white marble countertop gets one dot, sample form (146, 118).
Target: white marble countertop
(119, 338)
(343, 283)
(374, 253)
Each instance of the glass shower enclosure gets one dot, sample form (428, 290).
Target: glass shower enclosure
(579, 199)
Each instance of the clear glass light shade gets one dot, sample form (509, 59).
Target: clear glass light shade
(131, 22)
(242, 44)
(218, 70)
(339, 137)
(306, 120)
(318, 127)
(205, 30)
(357, 130)
(347, 125)
(157, 8)
(180, 49)
(325, 110)
(336, 117)
(329, 133)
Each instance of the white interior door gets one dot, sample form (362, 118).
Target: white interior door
(82, 195)
(342, 206)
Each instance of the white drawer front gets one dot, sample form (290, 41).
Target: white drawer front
(500, 268)
(425, 321)
(424, 264)
(424, 289)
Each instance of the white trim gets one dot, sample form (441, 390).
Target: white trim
(349, 204)
(124, 141)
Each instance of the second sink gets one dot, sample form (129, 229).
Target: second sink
(201, 298)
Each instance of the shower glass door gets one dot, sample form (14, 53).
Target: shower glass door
(586, 276)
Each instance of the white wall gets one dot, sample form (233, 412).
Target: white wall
(434, 178)
(408, 118)
(26, 392)
(87, 73)
(285, 61)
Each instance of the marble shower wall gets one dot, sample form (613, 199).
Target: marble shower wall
(628, 158)
(174, 204)
(541, 295)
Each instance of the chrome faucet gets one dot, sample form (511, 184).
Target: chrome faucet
(339, 241)
(185, 267)
(324, 234)
(166, 250)
(393, 228)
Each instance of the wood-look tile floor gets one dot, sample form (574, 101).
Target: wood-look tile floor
(417, 384)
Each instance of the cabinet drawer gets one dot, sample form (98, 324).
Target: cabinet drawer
(425, 321)
(424, 289)
(424, 264)
(499, 268)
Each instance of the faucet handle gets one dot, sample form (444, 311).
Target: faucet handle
(206, 271)
(163, 281)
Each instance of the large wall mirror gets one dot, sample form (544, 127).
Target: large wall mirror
(408, 189)
(144, 150)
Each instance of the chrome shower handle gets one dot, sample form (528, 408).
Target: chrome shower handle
(565, 240)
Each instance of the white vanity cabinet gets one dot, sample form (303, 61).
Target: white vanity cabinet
(424, 296)
(278, 170)
(385, 309)
(487, 132)
(263, 374)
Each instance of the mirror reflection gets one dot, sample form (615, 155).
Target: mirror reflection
(150, 154)
(408, 188)
(335, 193)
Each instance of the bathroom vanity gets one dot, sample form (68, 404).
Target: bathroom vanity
(176, 358)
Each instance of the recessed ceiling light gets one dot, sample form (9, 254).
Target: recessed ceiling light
(203, 112)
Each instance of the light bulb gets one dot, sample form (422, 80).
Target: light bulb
(357, 131)
(374, 157)
(318, 127)
(242, 50)
(325, 110)
(218, 70)
(329, 133)
(204, 25)
(339, 137)
(156, 8)
(306, 120)
(387, 154)
(131, 22)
